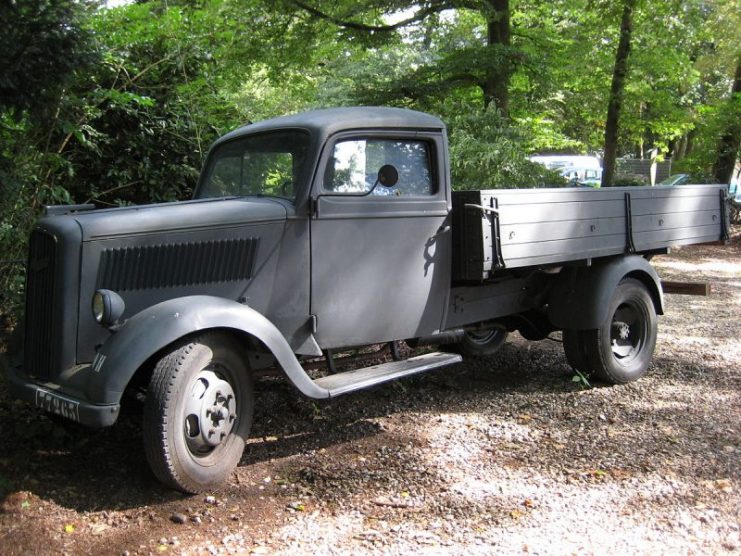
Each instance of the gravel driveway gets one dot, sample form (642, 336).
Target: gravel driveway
(502, 455)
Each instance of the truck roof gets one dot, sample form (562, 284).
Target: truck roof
(325, 122)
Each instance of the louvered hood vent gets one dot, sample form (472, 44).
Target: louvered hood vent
(171, 265)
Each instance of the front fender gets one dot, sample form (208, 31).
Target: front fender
(580, 298)
(158, 326)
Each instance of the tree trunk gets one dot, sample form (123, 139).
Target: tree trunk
(496, 83)
(730, 141)
(690, 144)
(616, 93)
(680, 148)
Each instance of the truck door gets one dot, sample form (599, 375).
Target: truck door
(380, 254)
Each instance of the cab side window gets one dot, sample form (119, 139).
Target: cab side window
(354, 164)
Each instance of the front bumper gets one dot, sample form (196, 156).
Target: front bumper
(55, 399)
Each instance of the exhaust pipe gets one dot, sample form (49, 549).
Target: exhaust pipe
(447, 337)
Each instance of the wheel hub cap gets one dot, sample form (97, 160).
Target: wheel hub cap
(627, 334)
(210, 412)
(622, 330)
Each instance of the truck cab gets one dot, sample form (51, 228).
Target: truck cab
(370, 244)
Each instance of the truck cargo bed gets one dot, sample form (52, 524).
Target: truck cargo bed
(510, 228)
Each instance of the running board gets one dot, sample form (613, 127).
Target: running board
(349, 381)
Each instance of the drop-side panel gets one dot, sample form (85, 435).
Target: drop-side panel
(508, 228)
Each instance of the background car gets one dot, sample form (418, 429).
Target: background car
(675, 179)
(579, 176)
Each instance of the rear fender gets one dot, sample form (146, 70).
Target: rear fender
(158, 326)
(581, 296)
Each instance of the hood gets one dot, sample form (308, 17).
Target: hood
(172, 218)
(148, 254)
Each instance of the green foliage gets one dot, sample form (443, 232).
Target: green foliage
(713, 121)
(133, 129)
(486, 152)
(119, 106)
(581, 379)
(44, 48)
(629, 180)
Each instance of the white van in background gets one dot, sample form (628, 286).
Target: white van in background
(579, 175)
(579, 169)
(555, 161)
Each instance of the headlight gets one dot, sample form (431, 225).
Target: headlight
(107, 307)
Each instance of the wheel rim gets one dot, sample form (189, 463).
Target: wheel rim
(210, 412)
(628, 333)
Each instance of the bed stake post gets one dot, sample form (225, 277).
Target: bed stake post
(630, 246)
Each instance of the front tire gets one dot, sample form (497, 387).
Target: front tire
(198, 413)
(620, 350)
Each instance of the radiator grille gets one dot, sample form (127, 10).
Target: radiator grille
(40, 304)
(177, 264)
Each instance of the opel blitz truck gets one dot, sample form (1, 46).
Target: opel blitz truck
(317, 232)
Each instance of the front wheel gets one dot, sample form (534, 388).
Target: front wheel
(620, 350)
(198, 413)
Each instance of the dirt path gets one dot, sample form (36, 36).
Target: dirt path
(503, 455)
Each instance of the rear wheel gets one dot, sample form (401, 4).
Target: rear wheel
(479, 343)
(198, 413)
(573, 347)
(735, 214)
(621, 349)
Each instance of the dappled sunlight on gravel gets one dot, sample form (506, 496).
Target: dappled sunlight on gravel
(650, 467)
(722, 267)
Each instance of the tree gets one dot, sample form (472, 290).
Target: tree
(45, 46)
(496, 83)
(486, 64)
(616, 93)
(730, 141)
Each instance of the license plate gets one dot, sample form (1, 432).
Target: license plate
(54, 403)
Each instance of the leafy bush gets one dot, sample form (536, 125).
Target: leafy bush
(131, 128)
(45, 45)
(487, 152)
(627, 180)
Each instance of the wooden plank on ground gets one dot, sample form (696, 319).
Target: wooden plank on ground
(686, 288)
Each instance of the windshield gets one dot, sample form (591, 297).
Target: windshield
(266, 164)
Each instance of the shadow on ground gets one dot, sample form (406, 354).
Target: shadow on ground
(100, 470)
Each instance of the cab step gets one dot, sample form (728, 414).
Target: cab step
(358, 379)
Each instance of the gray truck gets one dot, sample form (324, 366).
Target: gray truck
(318, 232)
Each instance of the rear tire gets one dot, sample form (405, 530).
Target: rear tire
(576, 353)
(620, 350)
(198, 413)
(735, 211)
(479, 343)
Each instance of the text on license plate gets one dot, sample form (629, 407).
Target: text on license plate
(54, 403)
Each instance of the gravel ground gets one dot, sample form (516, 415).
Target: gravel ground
(502, 455)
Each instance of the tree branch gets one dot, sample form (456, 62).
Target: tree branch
(107, 191)
(418, 16)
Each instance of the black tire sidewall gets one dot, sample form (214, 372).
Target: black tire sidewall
(471, 347)
(185, 470)
(599, 346)
(575, 350)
